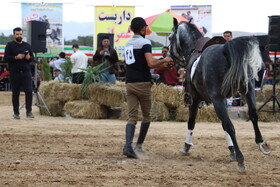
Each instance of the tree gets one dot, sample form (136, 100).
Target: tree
(81, 40)
(46, 70)
(5, 39)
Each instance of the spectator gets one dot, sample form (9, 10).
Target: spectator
(161, 78)
(109, 56)
(227, 35)
(79, 60)
(4, 74)
(55, 64)
(57, 75)
(168, 75)
(19, 55)
(4, 78)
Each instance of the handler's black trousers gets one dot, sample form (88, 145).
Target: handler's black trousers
(78, 78)
(21, 81)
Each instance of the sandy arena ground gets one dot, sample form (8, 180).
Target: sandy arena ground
(59, 151)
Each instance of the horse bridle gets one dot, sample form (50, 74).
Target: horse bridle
(181, 60)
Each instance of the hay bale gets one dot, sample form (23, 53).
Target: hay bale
(182, 113)
(159, 112)
(265, 115)
(106, 94)
(267, 92)
(207, 114)
(120, 84)
(45, 89)
(55, 107)
(85, 109)
(259, 96)
(169, 95)
(66, 92)
(60, 91)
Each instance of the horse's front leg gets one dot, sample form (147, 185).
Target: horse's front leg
(251, 101)
(193, 109)
(220, 108)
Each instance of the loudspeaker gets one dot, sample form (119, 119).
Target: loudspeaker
(36, 36)
(274, 33)
(100, 37)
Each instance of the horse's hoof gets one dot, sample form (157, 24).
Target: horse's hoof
(241, 168)
(232, 156)
(184, 151)
(139, 149)
(265, 148)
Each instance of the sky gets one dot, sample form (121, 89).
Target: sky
(234, 15)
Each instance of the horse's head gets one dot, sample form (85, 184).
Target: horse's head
(182, 41)
(175, 48)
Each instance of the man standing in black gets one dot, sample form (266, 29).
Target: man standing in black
(139, 60)
(108, 55)
(18, 54)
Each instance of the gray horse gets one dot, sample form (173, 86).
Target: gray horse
(221, 71)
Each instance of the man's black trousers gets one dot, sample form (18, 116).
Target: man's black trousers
(21, 81)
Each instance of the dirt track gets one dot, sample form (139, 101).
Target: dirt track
(58, 151)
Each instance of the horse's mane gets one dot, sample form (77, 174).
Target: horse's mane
(184, 35)
(193, 28)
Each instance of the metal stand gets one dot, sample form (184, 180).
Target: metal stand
(273, 97)
(37, 93)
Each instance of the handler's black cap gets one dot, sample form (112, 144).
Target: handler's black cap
(137, 24)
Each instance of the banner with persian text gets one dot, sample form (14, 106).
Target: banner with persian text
(201, 15)
(114, 20)
(51, 13)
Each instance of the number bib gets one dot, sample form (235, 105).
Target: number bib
(129, 56)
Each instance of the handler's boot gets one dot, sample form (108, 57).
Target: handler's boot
(142, 135)
(129, 134)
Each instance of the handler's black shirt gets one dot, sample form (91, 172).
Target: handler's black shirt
(139, 71)
(13, 49)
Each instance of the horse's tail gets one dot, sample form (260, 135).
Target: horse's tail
(245, 61)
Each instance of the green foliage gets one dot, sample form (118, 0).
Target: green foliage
(5, 39)
(46, 70)
(92, 75)
(66, 68)
(81, 40)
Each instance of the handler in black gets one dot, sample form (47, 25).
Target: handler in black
(18, 54)
(139, 60)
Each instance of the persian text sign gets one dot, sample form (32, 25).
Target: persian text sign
(115, 20)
